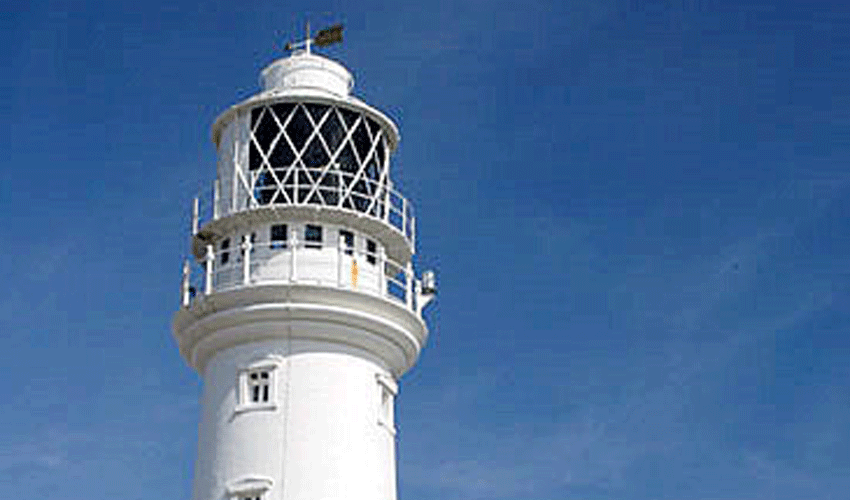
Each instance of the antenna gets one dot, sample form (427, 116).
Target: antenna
(323, 38)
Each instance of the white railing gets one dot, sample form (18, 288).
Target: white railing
(363, 196)
(293, 261)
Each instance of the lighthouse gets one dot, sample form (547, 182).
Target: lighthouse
(300, 307)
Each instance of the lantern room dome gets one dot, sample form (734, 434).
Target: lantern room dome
(305, 71)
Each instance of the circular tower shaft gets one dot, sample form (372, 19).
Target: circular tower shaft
(303, 308)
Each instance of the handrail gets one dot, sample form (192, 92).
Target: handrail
(246, 264)
(367, 197)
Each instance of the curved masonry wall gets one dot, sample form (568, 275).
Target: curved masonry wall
(323, 437)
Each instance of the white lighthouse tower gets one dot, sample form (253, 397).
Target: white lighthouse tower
(302, 308)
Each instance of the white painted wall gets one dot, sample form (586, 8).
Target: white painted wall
(323, 439)
(321, 266)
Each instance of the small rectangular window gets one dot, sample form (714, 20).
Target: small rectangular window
(278, 235)
(225, 255)
(313, 236)
(371, 250)
(387, 389)
(258, 386)
(347, 238)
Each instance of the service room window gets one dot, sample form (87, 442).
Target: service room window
(225, 254)
(371, 250)
(387, 390)
(347, 238)
(257, 387)
(313, 236)
(277, 235)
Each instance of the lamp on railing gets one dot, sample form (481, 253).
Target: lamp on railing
(429, 283)
(427, 290)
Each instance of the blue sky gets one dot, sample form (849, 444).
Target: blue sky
(638, 212)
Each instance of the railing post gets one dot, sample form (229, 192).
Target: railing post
(340, 184)
(382, 271)
(404, 216)
(246, 259)
(184, 285)
(196, 209)
(295, 194)
(339, 260)
(208, 267)
(408, 285)
(388, 201)
(293, 276)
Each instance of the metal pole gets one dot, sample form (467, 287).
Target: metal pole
(246, 259)
(408, 285)
(382, 277)
(339, 259)
(293, 276)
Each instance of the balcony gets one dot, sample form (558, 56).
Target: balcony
(294, 262)
(354, 199)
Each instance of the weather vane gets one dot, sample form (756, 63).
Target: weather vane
(323, 38)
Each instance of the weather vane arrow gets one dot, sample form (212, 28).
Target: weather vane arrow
(323, 38)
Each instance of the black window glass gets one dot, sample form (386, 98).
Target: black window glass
(372, 171)
(373, 127)
(371, 249)
(347, 162)
(348, 116)
(381, 150)
(315, 155)
(255, 116)
(225, 255)
(317, 111)
(304, 181)
(266, 131)
(361, 195)
(332, 132)
(282, 111)
(361, 140)
(299, 129)
(278, 235)
(329, 187)
(282, 155)
(264, 188)
(313, 235)
(255, 161)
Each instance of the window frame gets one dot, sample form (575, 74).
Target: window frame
(244, 400)
(251, 486)
(311, 240)
(224, 252)
(387, 390)
(371, 251)
(279, 243)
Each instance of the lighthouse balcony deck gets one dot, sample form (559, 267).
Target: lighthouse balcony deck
(373, 206)
(303, 263)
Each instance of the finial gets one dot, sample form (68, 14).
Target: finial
(323, 38)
